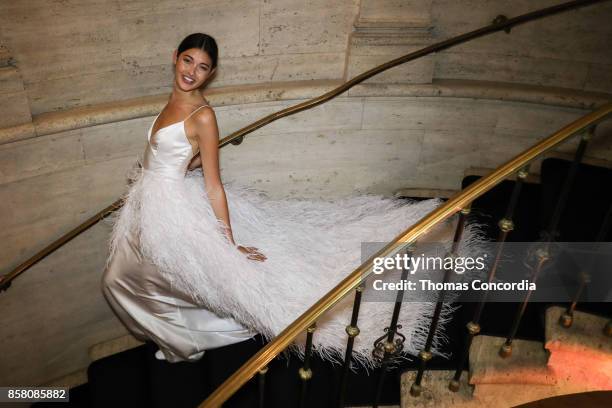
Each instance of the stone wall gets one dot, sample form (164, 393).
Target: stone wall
(569, 50)
(77, 53)
(410, 127)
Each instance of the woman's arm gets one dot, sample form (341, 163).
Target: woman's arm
(208, 141)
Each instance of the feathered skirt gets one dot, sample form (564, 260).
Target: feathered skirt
(310, 245)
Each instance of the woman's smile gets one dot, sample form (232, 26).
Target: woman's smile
(188, 80)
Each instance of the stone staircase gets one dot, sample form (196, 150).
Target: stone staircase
(571, 360)
(554, 361)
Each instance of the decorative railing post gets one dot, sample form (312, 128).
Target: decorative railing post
(353, 331)
(425, 355)
(387, 346)
(552, 231)
(305, 371)
(567, 318)
(541, 256)
(261, 376)
(506, 225)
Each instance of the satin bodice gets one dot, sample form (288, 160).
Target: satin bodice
(168, 152)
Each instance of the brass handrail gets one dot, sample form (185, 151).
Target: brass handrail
(460, 200)
(5, 280)
(498, 24)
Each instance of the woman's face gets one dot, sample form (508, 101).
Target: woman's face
(192, 68)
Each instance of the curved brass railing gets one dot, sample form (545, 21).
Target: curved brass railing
(500, 24)
(453, 205)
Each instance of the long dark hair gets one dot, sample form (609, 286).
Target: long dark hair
(203, 42)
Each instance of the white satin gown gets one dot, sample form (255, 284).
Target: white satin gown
(141, 296)
(173, 277)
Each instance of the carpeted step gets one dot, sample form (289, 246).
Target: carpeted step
(588, 202)
(120, 380)
(179, 385)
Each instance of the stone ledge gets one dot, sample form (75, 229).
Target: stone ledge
(435, 392)
(114, 346)
(70, 380)
(580, 354)
(54, 122)
(584, 337)
(503, 91)
(526, 365)
(511, 395)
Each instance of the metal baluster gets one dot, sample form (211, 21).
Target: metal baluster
(353, 331)
(541, 257)
(506, 225)
(425, 355)
(262, 386)
(567, 318)
(549, 235)
(567, 185)
(386, 349)
(305, 371)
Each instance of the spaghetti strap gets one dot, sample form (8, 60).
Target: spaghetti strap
(151, 127)
(196, 109)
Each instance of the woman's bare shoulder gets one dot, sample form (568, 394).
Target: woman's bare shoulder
(204, 115)
(205, 122)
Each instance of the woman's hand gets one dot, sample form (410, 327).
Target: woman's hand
(252, 253)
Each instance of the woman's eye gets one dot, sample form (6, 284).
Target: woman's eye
(186, 60)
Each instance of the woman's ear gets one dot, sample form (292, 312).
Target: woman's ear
(174, 56)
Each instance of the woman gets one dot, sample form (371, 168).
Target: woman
(175, 274)
(136, 290)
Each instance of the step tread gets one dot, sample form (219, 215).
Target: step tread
(114, 346)
(435, 392)
(585, 335)
(526, 365)
(580, 354)
(517, 394)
